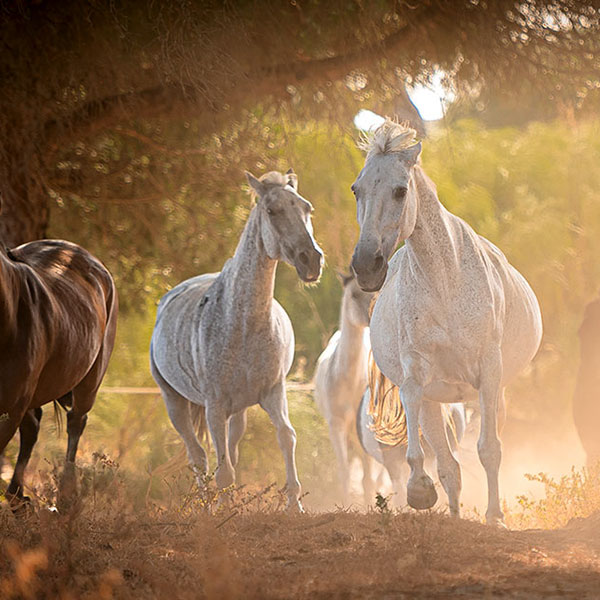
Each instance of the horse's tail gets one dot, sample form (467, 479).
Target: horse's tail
(61, 405)
(200, 425)
(385, 407)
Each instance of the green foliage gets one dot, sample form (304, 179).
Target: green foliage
(576, 495)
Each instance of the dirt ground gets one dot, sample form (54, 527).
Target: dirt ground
(117, 553)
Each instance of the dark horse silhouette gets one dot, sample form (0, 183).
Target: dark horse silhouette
(58, 318)
(586, 402)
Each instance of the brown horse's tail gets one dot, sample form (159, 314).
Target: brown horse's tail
(200, 424)
(59, 419)
(385, 407)
(61, 406)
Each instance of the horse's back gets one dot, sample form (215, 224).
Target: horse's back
(195, 287)
(56, 262)
(586, 400)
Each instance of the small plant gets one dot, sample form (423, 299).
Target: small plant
(382, 506)
(576, 495)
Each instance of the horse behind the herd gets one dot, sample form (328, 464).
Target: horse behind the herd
(586, 401)
(340, 380)
(58, 322)
(452, 317)
(221, 342)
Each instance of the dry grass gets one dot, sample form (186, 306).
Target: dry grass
(572, 496)
(104, 548)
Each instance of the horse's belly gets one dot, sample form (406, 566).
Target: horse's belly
(173, 358)
(449, 392)
(63, 372)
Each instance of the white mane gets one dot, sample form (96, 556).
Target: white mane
(390, 136)
(274, 178)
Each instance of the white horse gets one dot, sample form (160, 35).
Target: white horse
(453, 314)
(340, 380)
(223, 343)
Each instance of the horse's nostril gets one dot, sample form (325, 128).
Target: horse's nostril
(303, 258)
(378, 262)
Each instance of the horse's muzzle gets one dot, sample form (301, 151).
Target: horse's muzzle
(370, 269)
(309, 265)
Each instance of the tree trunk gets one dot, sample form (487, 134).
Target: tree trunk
(25, 210)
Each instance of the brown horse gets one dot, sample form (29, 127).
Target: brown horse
(586, 402)
(58, 318)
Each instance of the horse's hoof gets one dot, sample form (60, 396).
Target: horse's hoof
(496, 521)
(19, 505)
(421, 494)
(294, 506)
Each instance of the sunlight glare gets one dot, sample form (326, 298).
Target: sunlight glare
(367, 120)
(430, 100)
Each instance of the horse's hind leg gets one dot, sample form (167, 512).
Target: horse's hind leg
(81, 399)
(217, 424)
(434, 430)
(368, 480)
(28, 431)
(179, 410)
(237, 427)
(489, 445)
(394, 460)
(76, 422)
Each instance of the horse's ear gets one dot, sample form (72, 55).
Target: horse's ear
(411, 155)
(257, 185)
(292, 178)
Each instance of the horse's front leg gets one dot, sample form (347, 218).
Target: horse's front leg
(339, 442)
(420, 491)
(489, 445)
(276, 406)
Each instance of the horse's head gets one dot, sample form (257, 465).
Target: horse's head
(355, 302)
(285, 223)
(386, 200)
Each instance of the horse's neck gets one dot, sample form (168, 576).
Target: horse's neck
(350, 347)
(251, 274)
(435, 245)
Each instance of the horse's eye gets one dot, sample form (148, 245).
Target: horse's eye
(269, 211)
(399, 193)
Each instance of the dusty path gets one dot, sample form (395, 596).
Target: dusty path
(331, 555)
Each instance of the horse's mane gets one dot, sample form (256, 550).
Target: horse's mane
(271, 178)
(390, 136)
(10, 254)
(274, 178)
